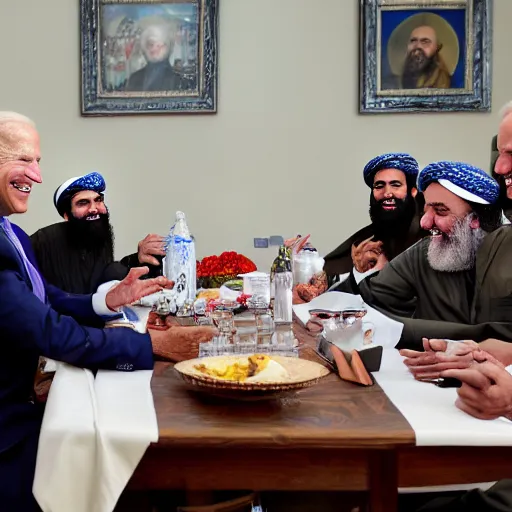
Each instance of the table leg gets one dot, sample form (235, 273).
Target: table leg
(383, 481)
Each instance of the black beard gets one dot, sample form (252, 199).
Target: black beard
(416, 64)
(92, 235)
(391, 223)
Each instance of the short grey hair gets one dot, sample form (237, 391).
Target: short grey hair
(506, 110)
(158, 32)
(14, 117)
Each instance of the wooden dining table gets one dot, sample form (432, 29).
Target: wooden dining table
(334, 436)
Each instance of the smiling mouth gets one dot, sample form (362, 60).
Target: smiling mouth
(92, 217)
(436, 233)
(22, 187)
(389, 204)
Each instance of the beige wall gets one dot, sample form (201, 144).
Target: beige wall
(287, 134)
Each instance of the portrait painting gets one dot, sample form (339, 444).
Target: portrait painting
(425, 55)
(148, 57)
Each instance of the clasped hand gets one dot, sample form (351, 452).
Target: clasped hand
(486, 390)
(368, 255)
(439, 355)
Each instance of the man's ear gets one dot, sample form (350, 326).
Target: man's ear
(414, 191)
(475, 222)
(66, 217)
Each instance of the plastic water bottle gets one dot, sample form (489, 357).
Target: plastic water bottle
(180, 260)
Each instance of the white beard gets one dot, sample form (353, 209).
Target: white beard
(456, 252)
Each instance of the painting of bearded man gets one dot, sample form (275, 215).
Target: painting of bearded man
(423, 50)
(425, 56)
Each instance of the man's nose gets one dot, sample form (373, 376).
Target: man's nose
(427, 221)
(33, 172)
(503, 165)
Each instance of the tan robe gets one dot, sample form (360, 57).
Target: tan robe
(440, 78)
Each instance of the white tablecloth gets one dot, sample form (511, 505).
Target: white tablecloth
(431, 410)
(94, 433)
(436, 421)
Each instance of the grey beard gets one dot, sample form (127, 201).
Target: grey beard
(456, 252)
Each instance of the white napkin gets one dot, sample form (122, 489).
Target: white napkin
(387, 331)
(436, 421)
(94, 433)
(126, 425)
(67, 444)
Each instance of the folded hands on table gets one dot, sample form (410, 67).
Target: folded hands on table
(486, 390)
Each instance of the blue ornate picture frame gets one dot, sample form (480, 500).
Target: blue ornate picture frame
(148, 56)
(425, 55)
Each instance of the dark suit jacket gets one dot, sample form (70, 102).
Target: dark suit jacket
(157, 76)
(30, 329)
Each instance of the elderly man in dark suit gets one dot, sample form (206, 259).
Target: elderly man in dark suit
(157, 43)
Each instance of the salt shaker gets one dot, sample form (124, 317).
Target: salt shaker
(283, 286)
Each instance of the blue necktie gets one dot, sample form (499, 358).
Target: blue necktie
(35, 278)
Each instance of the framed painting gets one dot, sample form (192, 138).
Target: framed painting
(141, 57)
(425, 55)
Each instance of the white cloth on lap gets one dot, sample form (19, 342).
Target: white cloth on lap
(94, 433)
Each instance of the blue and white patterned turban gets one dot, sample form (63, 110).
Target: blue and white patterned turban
(401, 161)
(62, 197)
(468, 182)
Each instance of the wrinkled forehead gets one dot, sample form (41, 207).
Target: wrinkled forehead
(18, 137)
(505, 133)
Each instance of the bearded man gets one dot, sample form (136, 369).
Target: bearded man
(395, 220)
(455, 284)
(424, 66)
(78, 255)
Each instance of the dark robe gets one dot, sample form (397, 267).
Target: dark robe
(78, 270)
(497, 499)
(155, 76)
(339, 261)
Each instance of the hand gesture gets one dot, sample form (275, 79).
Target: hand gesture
(439, 355)
(366, 254)
(486, 390)
(131, 288)
(150, 246)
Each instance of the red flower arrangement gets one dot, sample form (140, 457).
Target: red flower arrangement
(213, 271)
